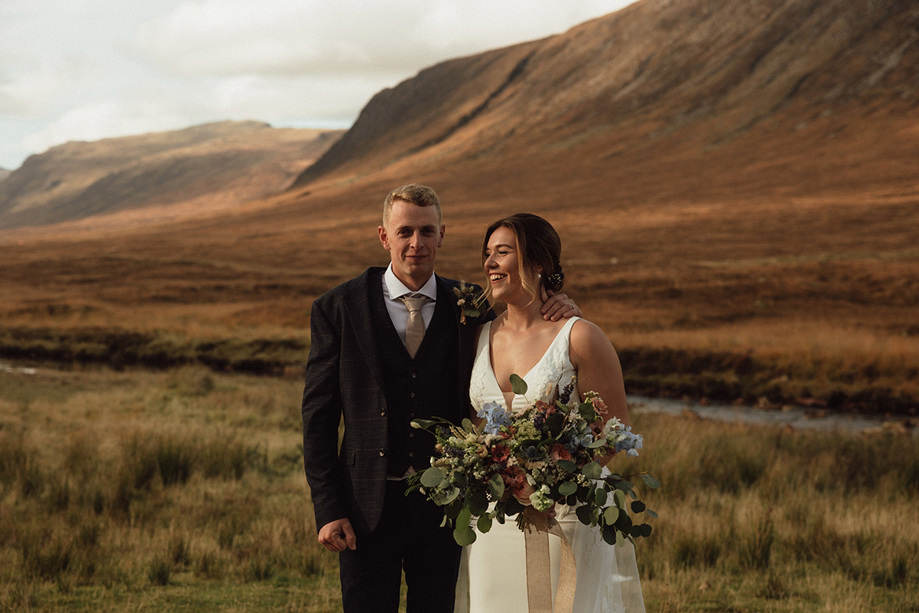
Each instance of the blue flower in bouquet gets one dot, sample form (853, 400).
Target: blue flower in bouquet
(628, 441)
(495, 417)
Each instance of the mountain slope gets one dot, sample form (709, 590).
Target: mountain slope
(655, 83)
(209, 166)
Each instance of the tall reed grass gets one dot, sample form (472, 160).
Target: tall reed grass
(183, 490)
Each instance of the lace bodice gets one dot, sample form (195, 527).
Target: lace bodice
(553, 369)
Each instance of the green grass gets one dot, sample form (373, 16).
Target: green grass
(183, 490)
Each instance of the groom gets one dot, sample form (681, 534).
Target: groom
(389, 347)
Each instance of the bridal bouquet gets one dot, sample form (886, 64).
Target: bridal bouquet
(541, 455)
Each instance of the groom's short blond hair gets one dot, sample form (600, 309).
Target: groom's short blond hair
(421, 195)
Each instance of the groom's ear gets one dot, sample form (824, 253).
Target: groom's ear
(384, 239)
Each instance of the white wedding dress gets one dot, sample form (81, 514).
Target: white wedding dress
(493, 572)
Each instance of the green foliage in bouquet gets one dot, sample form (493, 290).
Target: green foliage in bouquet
(542, 455)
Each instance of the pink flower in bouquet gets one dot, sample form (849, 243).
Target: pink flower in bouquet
(559, 452)
(599, 405)
(515, 480)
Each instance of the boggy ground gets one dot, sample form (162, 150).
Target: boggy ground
(183, 490)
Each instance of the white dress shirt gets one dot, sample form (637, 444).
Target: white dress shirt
(393, 289)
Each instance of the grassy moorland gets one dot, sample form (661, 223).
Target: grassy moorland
(830, 325)
(183, 490)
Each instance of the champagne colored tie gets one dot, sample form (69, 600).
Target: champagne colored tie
(414, 327)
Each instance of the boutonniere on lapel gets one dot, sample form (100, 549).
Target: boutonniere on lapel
(469, 301)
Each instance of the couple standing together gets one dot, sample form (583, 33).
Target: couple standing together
(371, 363)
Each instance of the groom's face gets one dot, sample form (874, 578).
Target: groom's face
(412, 235)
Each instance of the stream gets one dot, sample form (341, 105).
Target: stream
(794, 417)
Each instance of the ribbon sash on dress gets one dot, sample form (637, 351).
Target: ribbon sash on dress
(537, 528)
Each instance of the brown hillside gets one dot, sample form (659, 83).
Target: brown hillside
(735, 185)
(225, 163)
(656, 83)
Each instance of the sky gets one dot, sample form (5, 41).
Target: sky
(91, 69)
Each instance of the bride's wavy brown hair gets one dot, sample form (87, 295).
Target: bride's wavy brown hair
(539, 248)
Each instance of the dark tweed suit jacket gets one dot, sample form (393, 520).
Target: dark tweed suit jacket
(344, 378)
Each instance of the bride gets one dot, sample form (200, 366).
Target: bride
(521, 260)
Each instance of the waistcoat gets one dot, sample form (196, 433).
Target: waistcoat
(423, 387)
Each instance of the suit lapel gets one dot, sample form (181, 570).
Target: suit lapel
(359, 309)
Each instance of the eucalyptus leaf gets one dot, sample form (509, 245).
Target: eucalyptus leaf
(465, 515)
(587, 412)
(432, 477)
(496, 486)
(484, 523)
(638, 506)
(584, 515)
(555, 423)
(651, 513)
(600, 496)
(452, 510)
(518, 385)
(567, 465)
(592, 470)
(467, 425)
(650, 481)
(567, 488)
(620, 498)
(477, 501)
(449, 496)
(610, 515)
(609, 535)
(463, 535)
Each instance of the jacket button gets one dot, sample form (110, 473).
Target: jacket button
(411, 454)
(383, 413)
(382, 452)
(414, 375)
(411, 394)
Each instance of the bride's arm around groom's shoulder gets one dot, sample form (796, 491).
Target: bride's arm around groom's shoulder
(599, 370)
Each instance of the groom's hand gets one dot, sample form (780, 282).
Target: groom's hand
(338, 535)
(555, 306)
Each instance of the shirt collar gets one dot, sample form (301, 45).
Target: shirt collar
(397, 288)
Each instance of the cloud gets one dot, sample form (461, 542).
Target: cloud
(233, 37)
(105, 118)
(101, 68)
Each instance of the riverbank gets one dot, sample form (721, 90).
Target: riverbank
(769, 381)
(799, 417)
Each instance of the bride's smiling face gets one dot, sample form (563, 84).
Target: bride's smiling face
(503, 267)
